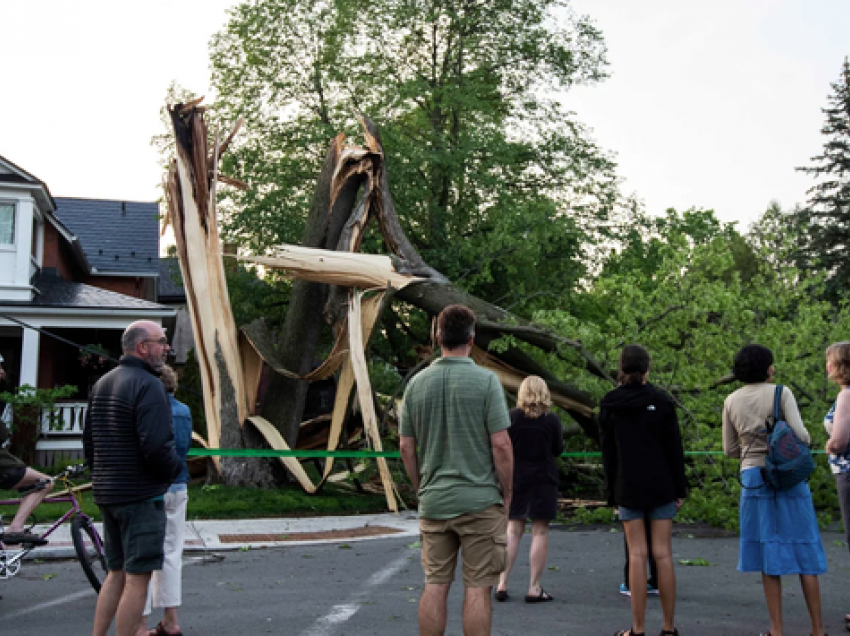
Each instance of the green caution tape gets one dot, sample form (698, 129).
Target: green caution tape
(353, 454)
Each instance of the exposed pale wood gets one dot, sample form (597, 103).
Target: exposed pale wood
(364, 271)
(364, 393)
(252, 371)
(192, 211)
(257, 336)
(511, 379)
(276, 441)
(345, 383)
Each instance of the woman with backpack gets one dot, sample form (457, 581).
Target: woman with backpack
(645, 477)
(837, 423)
(779, 529)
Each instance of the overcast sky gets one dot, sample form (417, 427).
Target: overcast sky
(709, 104)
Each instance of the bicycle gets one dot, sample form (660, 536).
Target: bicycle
(87, 542)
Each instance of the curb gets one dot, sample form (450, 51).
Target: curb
(205, 536)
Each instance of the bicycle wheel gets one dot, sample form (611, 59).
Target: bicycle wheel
(89, 548)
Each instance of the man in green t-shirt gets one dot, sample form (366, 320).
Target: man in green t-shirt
(455, 413)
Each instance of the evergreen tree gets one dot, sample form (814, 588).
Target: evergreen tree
(827, 213)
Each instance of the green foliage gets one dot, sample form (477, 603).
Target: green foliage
(693, 291)
(29, 402)
(224, 502)
(696, 562)
(385, 379)
(254, 296)
(235, 503)
(585, 515)
(491, 175)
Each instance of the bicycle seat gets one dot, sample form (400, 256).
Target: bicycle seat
(26, 538)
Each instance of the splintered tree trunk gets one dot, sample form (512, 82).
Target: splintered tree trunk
(285, 398)
(352, 189)
(432, 292)
(191, 210)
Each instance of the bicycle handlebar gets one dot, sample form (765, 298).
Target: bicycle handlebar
(70, 471)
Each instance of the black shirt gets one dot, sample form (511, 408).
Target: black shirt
(641, 448)
(537, 442)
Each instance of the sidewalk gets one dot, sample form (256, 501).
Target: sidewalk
(241, 534)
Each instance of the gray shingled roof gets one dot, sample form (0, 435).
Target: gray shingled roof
(170, 280)
(116, 236)
(56, 292)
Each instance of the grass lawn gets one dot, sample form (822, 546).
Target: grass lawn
(223, 502)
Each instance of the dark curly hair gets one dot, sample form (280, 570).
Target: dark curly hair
(751, 364)
(634, 363)
(455, 326)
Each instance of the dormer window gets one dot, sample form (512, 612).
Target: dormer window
(7, 223)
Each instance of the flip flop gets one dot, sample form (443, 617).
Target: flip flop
(628, 632)
(159, 630)
(543, 597)
(501, 595)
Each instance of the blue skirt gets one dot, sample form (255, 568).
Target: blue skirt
(779, 529)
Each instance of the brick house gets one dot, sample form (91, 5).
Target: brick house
(77, 270)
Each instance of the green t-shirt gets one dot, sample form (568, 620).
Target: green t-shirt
(451, 409)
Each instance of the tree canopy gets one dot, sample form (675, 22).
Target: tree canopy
(490, 172)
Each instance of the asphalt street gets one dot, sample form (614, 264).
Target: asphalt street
(373, 587)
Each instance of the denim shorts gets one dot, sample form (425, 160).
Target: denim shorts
(134, 535)
(667, 511)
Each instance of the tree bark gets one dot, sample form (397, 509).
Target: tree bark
(285, 398)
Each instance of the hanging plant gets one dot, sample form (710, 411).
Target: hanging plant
(94, 357)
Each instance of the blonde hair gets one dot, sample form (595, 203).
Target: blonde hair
(839, 355)
(169, 378)
(533, 397)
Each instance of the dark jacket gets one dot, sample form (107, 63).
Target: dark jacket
(641, 448)
(128, 439)
(536, 443)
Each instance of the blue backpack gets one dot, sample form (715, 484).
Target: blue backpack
(788, 460)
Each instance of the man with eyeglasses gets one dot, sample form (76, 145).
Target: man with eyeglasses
(129, 445)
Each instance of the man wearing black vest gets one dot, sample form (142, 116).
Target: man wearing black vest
(129, 444)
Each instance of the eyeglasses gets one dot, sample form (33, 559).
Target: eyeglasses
(162, 341)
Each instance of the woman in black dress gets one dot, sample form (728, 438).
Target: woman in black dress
(537, 439)
(644, 476)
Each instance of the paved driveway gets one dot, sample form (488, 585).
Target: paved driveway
(373, 587)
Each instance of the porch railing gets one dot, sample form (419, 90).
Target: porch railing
(66, 419)
(61, 433)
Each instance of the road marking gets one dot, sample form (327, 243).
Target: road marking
(342, 612)
(58, 601)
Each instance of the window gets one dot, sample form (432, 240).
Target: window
(34, 237)
(7, 224)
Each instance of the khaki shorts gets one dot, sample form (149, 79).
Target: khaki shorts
(480, 536)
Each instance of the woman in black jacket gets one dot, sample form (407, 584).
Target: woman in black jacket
(645, 477)
(538, 440)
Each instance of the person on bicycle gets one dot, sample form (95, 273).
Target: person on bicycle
(16, 474)
(129, 445)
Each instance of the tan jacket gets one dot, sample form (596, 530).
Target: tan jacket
(744, 416)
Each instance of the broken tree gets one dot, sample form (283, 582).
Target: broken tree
(351, 192)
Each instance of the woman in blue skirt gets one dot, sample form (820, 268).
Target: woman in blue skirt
(779, 530)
